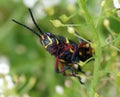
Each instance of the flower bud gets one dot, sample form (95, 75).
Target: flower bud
(71, 30)
(56, 23)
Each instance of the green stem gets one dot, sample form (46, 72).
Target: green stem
(72, 15)
(83, 38)
(97, 47)
(72, 25)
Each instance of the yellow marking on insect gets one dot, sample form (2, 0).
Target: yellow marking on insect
(57, 41)
(42, 42)
(67, 41)
(71, 50)
(49, 42)
(80, 53)
(61, 60)
(70, 64)
(87, 45)
(42, 37)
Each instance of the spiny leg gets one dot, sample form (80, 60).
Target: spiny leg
(56, 65)
(74, 74)
(63, 70)
(70, 74)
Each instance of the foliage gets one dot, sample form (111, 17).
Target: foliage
(32, 68)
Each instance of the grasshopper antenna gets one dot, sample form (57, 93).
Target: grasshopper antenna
(35, 21)
(26, 27)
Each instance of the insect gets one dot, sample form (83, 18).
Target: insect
(67, 53)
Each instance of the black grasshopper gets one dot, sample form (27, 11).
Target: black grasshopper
(67, 53)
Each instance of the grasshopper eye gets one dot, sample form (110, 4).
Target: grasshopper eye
(46, 42)
(49, 34)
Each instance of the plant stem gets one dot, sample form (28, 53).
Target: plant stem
(97, 47)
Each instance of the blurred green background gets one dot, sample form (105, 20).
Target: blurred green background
(32, 67)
